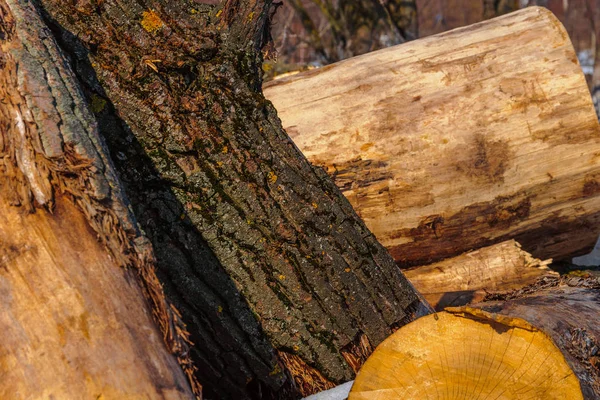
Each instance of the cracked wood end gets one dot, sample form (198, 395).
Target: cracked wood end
(467, 353)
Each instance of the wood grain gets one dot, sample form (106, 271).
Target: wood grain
(459, 140)
(467, 354)
(74, 324)
(567, 314)
(468, 277)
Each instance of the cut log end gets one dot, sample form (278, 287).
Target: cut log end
(467, 353)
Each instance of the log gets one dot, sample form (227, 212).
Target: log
(541, 345)
(77, 282)
(470, 276)
(74, 324)
(459, 140)
(281, 286)
(568, 313)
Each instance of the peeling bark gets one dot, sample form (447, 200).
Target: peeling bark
(52, 265)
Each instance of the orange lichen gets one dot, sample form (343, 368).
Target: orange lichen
(151, 22)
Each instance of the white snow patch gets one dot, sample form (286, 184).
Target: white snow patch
(589, 260)
(337, 393)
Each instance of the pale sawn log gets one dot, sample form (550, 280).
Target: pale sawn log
(467, 278)
(541, 342)
(459, 140)
(77, 284)
(567, 311)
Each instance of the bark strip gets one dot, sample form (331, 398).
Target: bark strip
(50, 147)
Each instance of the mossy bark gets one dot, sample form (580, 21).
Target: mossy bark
(272, 270)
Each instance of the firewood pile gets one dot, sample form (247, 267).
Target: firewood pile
(428, 229)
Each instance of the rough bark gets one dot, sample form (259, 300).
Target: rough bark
(467, 278)
(75, 324)
(457, 141)
(273, 272)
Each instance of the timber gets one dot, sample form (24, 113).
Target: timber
(472, 354)
(566, 310)
(467, 278)
(458, 141)
(540, 342)
(77, 284)
(74, 324)
(266, 268)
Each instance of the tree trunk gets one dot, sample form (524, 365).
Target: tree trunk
(273, 272)
(74, 324)
(441, 151)
(540, 343)
(468, 277)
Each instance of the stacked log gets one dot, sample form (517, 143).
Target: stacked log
(540, 343)
(448, 147)
(458, 141)
(470, 276)
(496, 140)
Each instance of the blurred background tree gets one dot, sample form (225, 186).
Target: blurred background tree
(313, 33)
